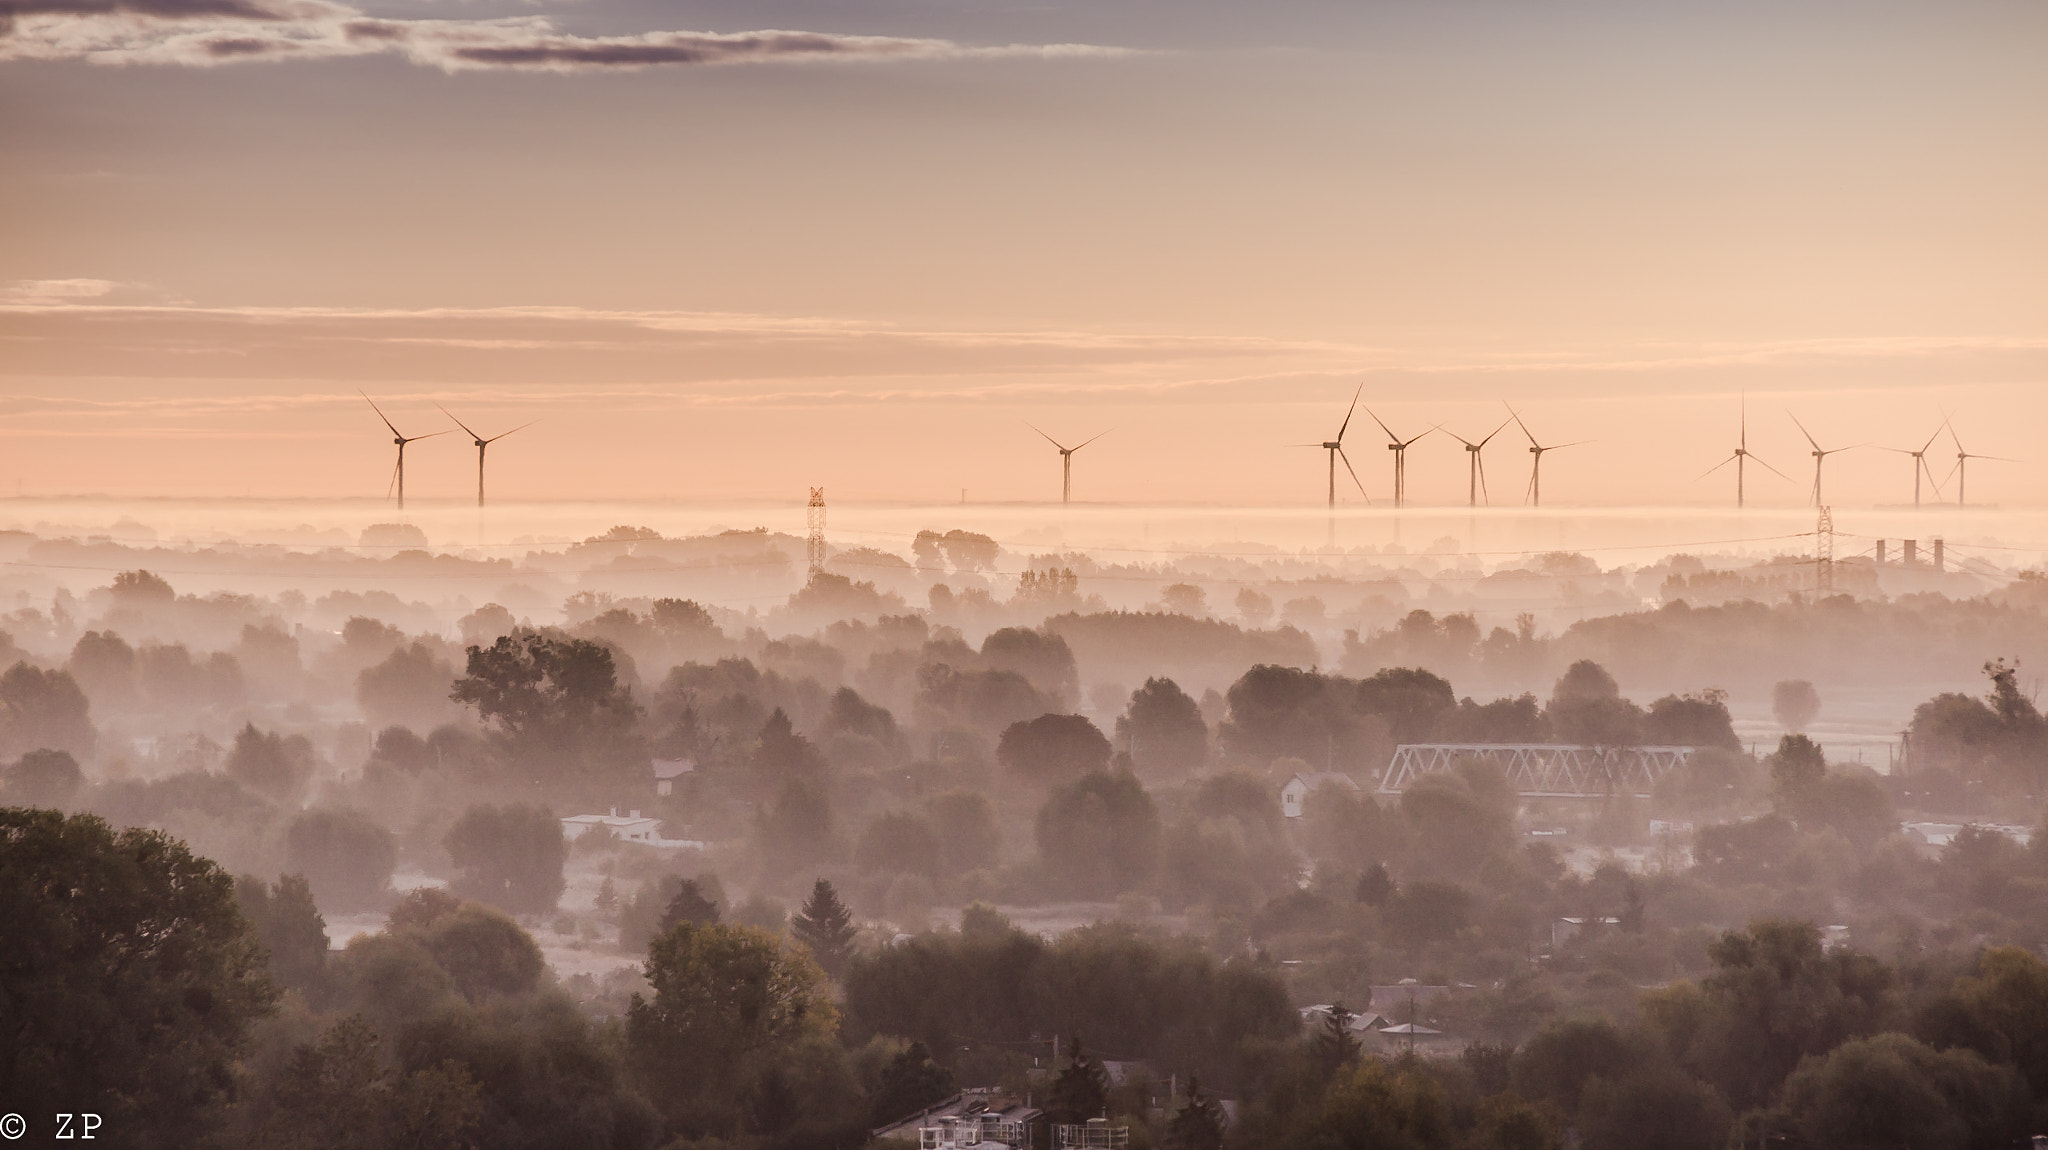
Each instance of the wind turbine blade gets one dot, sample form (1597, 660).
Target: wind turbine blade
(1484, 494)
(1931, 480)
(1354, 475)
(428, 435)
(458, 423)
(1432, 427)
(1092, 438)
(1997, 458)
(1496, 431)
(391, 484)
(1048, 438)
(1353, 410)
(1930, 440)
(1769, 468)
(1519, 423)
(503, 434)
(1803, 431)
(1718, 466)
(1573, 443)
(379, 411)
(1391, 437)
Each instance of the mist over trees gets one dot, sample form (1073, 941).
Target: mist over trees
(833, 860)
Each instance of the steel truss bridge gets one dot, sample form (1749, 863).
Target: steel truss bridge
(1542, 770)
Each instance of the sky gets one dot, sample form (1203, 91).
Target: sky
(726, 251)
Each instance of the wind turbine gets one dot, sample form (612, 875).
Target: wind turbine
(1534, 496)
(401, 440)
(1920, 465)
(1963, 457)
(1336, 449)
(1741, 456)
(482, 443)
(1067, 461)
(1477, 465)
(1820, 455)
(1399, 447)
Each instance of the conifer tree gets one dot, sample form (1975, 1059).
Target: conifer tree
(1197, 1125)
(826, 926)
(1080, 1091)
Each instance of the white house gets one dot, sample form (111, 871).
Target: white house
(1297, 789)
(630, 827)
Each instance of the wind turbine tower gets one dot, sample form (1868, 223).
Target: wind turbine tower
(1476, 465)
(1963, 458)
(481, 444)
(1920, 466)
(1820, 456)
(1534, 497)
(1740, 457)
(1067, 461)
(401, 440)
(1336, 449)
(1399, 447)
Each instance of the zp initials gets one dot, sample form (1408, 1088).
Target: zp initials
(87, 1123)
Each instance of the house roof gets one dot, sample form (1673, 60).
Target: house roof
(1314, 779)
(969, 1103)
(670, 768)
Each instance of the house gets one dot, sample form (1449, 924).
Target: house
(977, 1116)
(1295, 792)
(1094, 1134)
(1405, 999)
(1563, 930)
(631, 827)
(667, 771)
(1315, 1016)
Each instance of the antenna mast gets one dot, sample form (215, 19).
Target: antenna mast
(814, 518)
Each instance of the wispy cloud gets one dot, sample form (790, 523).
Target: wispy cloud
(206, 33)
(56, 292)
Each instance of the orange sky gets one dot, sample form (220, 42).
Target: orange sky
(732, 280)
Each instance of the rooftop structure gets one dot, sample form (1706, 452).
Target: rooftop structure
(977, 1116)
(1094, 1134)
(630, 827)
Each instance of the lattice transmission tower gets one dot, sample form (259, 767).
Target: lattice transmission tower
(1824, 553)
(814, 518)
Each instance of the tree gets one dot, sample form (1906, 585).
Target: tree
(1458, 820)
(1100, 835)
(486, 954)
(1411, 701)
(730, 1003)
(1162, 730)
(128, 978)
(1700, 720)
(1795, 704)
(141, 589)
(1653, 1104)
(690, 905)
(43, 709)
(1053, 748)
(556, 702)
(825, 926)
(964, 823)
(1797, 766)
(289, 925)
(1333, 1046)
(899, 843)
(911, 1082)
(337, 1093)
(269, 763)
(1375, 886)
(1040, 656)
(510, 857)
(1080, 1090)
(1557, 1062)
(410, 687)
(347, 858)
(1891, 1090)
(1776, 996)
(42, 778)
(1198, 1124)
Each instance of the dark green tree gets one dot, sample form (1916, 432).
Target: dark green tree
(1163, 731)
(1053, 748)
(1080, 1090)
(1100, 835)
(289, 926)
(128, 977)
(1333, 1046)
(40, 709)
(825, 925)
(911, 1082)
(270, 764)
(1198, 1124)
(510, 857)
(347, 858)
(41, 779)
(690, 904)
(554, 703)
